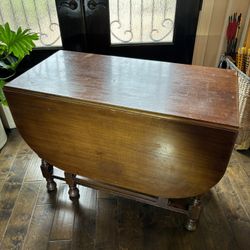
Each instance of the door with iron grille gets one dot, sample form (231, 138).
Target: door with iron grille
(151, 29)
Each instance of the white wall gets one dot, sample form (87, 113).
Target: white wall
(211, 31)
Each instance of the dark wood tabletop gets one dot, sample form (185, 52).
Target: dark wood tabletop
(186, 91)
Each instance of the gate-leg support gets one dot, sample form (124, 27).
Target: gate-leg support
(47, 171)
(194, 214)
(73, 190)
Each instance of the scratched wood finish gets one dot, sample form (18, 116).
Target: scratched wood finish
(128, 150)
(109, 126)
(120, 223)
(187, 91)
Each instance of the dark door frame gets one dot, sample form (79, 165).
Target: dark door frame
(81, 31)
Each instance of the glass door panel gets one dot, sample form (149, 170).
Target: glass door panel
(38, 15)
(141, 22)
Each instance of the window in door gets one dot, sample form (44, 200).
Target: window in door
(141, 21)
(162, 30)
(38, 15)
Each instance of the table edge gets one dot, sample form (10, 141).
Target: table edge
(157, 115)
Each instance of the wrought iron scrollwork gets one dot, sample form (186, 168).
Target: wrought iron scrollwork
(119, 26)
(134, 29)
(43, 20)
(43, 36)
(168, 28)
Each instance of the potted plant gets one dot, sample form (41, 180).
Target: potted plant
(14, 46)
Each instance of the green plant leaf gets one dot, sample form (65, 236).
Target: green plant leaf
(3, 48)
(19, 43)
(2, 83)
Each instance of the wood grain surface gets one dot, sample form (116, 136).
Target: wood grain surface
(187, 91)
(159, 157)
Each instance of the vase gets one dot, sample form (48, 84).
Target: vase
(3, 136)
(6, 117)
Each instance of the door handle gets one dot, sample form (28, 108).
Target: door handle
(92, 4)
(72, 4)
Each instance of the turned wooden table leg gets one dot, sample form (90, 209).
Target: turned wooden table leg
(73, 190)
(194, 214)
(47, 171)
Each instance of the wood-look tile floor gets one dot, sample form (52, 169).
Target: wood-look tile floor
(30, 218)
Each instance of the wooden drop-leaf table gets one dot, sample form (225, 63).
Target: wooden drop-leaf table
(151, 131)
